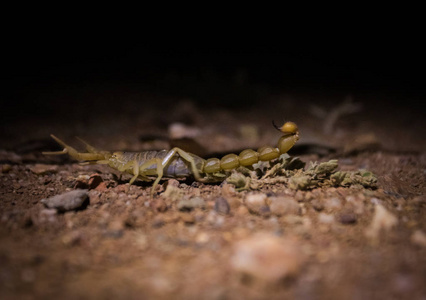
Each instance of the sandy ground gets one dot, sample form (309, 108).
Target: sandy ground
(209, 241)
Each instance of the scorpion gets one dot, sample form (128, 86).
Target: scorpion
(177, 163)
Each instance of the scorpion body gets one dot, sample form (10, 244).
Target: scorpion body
(177, 163)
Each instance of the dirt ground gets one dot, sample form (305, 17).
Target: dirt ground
(210, 241)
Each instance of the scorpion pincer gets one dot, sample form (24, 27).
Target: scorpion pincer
(177, 163)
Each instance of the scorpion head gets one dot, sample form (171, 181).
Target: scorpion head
(116, 159)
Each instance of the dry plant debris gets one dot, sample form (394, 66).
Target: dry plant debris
(290, 170)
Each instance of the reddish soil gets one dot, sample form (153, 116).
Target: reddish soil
(128, 245)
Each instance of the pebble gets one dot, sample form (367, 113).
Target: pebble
(115, 229)
(283, 205)
(325, 218)
(121, 188)
(172, 182)
(317, 205)
(41, 169)
(419, 238)
(158, 221)
(347, 218)
(382, 221)
(102, 187)
(158, 205)
(215, 219)
(267, 257)
(94, 181)
(95, 197)
(80, 184)
(48, 215)
(299, 197)
(190, 204)
(255, 202)
(67, 201)
(187, 218)
(72, 238)
(173, 193)
(333, 203)
(242, 211)
(221, 206)
(180, 130)
(6, 168)
(202, 238)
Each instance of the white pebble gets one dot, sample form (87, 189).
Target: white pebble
(382, 222)
(255, 201)
(267, 257)
(325, 218)
(284, 205)
(419, 238)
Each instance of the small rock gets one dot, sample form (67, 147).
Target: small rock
(283, 205)
(383, 221)
(333, 203)
(81, 182)
(317, 204)
(41, 169)
(102, 187)
(325, 218)
(72, 200)
(228, 190)
(94, 181)
(137, 218)
(267, 257)
(172, 182)
(215, 219)
(202, 238)
(121, 188)
(159, 205)
(242, 210)
(347, 218)
(255, 202)
(221, 206)
(419, 238)
(158, 221)
(95, 197)
(6, 168)
(180, 130)
(115, 229)
(299, 197)
(195, 202)
(173, 193)
(187, 218)
(141, 241)
(48, 215)
(71, 239)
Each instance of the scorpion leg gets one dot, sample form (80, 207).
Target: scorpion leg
(135, 171)
(186, 156)
(160, 168)
(74, 153)
(138, 171)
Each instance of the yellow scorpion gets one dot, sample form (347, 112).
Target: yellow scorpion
(177, 163)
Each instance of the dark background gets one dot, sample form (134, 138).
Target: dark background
(41, 75)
